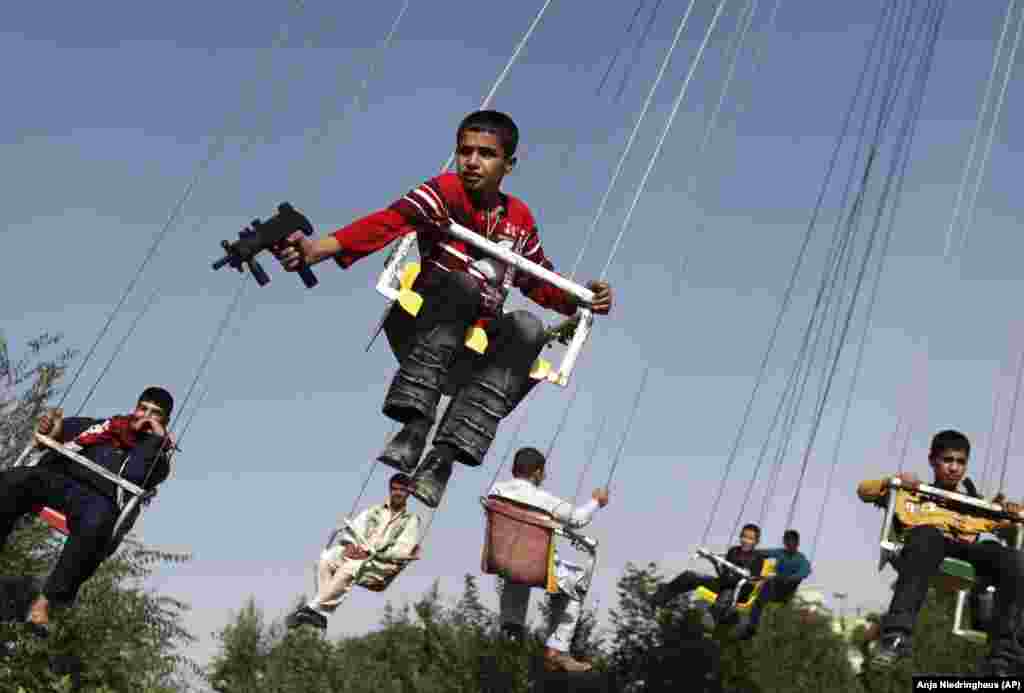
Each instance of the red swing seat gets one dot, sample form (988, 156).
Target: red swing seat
(56, 520)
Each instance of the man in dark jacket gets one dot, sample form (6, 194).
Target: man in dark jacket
(136, 447)
(743, 555)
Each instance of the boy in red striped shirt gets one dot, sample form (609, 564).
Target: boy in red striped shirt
(460, 286)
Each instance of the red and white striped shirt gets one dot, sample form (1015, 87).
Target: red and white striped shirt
(444, 197)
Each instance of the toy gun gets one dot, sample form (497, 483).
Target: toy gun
(265, 236)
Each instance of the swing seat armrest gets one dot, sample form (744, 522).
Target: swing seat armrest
(991, 509)
(124, 484)
(580, 541)
(702, 552)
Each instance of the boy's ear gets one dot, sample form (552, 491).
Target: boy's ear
(510, 163)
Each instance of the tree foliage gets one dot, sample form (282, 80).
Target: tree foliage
(122, 636)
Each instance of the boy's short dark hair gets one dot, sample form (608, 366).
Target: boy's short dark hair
(160, 397)
(495, 122)
(791, 534)
(399, 478)
(753, 528)
(949, 440)
(526, 462)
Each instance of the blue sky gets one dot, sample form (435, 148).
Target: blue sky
(109, 113)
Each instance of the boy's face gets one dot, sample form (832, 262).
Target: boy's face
(398, 494)
(148, 411)
(748, 539)
(949, 466)
(481, 162)
(791, 544)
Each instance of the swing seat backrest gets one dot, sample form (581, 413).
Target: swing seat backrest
(519, 543)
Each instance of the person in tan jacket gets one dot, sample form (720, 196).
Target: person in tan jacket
(932, 531)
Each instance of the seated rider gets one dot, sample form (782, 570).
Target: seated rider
(460, 286)
(566, 604)
(933, 531)
(136, 447)
(391, 532)
(743, 555)
(791, 568)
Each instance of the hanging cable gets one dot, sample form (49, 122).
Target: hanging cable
(904, 140)
(972, 207)
(618, 51)
(629, 425)
(562, 422)
(990, 441)
(371, 69)
(985, 101)
(788, 294)
(1013, 420)
(735, 47)
(212, 152)
(759, 49)
(214, 343)
(632, 138)
(590, 460)
(117, 351)
(636, 51)
(664, 134)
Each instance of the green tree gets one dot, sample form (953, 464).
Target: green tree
(125, 637)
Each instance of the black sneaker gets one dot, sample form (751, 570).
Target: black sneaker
(405, 449)
(305, 616)
(890, 649)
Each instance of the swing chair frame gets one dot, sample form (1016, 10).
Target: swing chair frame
(720, 563)
(395, 283)
(130, 509)
(354, 537)
(954, 574)
(533, 530)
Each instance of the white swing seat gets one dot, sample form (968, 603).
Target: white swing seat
(396, 282)
(710, 597)
(57, 521)
(519, 544)
(954, 575)
(375, 574)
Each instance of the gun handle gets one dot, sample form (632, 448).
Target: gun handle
(257, 271)
(308, 278)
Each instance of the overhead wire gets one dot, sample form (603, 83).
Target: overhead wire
(636, 51)
(872, 301)
(618, 51)
(629, 425)
(1010, 425)
(991, 440)
(983, 110)
(924, 71)
(972, 206)
(788, 293)
(661, 140)
(632, 138)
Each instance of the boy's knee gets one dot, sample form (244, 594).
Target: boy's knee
(527, 327)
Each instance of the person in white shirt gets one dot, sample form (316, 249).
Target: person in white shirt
(528, 473)
(391, 534)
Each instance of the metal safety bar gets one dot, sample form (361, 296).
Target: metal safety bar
(889, 548)
(388, 284)
(719, 561)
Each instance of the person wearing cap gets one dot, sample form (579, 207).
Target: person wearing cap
(392, 535)
(528, 474)
(135, 446)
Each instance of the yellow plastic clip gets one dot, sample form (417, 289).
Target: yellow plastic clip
(540, 370)
(410, 301)
(476, 339)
